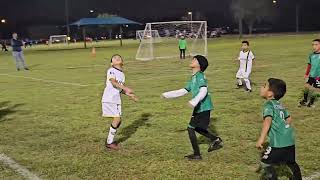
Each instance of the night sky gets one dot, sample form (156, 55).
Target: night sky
(23, 13)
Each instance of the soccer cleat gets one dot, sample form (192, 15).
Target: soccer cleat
(311, 105)
(248, 90)
(238, 86)
(113, 146)
(193, 157)
(18, 69)
(26, 68)
(302, 103)
(215, 145)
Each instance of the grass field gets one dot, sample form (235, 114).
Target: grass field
(50, 116)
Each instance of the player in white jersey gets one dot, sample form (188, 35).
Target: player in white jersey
(246, 59)
(111, 99)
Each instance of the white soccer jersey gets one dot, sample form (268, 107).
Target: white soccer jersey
(245, 59)
(112, 94)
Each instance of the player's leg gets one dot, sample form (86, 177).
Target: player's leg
(22, 59)
(295, 169)
(270, 157)
(114, 111)
(16, 59)
(116, 122)
(193, 139)
(239, 77)
(247, 76)
(180, 53)
(184, 53)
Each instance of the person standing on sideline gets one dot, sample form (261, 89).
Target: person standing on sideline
(17, 52)
(182, 47)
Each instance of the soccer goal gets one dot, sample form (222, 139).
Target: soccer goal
(160, 39)
(58, 39)
(152, 34)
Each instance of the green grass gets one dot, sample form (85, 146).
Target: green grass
(57, 131)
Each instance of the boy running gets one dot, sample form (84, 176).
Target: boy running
(182, 47)
(201, 104)
(277, 126)
(312, 87)
(245, 58)
(111, 100)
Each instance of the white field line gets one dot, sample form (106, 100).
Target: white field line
(18, 168)
(44, 80)
(314, 176)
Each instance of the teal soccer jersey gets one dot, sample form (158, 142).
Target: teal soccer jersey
(197, 81)
(314, 61)
(280, 133)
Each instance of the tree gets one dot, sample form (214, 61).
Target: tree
(252, 11)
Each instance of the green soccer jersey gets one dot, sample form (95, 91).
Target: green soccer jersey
(280, 133)
(197, 81)
(182, 44)
(314, 61)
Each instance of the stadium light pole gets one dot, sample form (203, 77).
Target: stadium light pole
(297, 16)
(190, 14)
(67, 18)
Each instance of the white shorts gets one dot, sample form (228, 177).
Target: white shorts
(242, 74)
(111, 110)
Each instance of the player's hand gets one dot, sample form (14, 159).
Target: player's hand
(306, 76)
(133, 97)
(259, 144)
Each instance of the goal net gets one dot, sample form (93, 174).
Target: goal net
(160, 39)
(151, 34)
(58, 39)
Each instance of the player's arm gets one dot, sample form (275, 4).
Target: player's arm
(289, 120)
(199, 97)
(307, 71)
(174, 94)
(264, 132)
(124, 89)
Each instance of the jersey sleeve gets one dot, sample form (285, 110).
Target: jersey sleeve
(110, 75)
(267, 110)
(202, 81)
(251, 56)
(286, 114)
(188, 86)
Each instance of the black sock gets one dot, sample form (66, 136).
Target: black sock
(305, 96)
(271, 173)
(295, 171)
(194, 142)
(312, 99)
(206, 133)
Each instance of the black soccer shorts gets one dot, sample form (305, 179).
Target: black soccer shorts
(285, 155)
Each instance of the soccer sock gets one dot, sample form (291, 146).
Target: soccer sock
(271, 173)
(239, 82)
(112, 133)
(312, 99)
(305, 96)
(295, 171)
(194, 142)
(248, 84)
(206, 134)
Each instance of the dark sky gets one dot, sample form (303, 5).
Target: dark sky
(51, 12)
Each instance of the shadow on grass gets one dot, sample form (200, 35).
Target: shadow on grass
(7, 109)
(128, 131)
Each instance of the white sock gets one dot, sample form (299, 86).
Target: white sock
(112, 133)
(248, 84)
(240, 82)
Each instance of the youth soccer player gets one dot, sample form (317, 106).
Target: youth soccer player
(277, 126)
(111, 99)
(312, 87)
(182, 47)
(246, 58)
(201, 104)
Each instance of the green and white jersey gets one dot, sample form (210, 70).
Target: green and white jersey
(197, 81)
(314, 61)
(280, 133)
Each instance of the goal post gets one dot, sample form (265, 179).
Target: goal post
(58, 39)
(160, 39)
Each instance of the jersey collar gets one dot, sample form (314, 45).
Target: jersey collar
(117, 69)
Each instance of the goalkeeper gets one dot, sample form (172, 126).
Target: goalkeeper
(182, 47)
